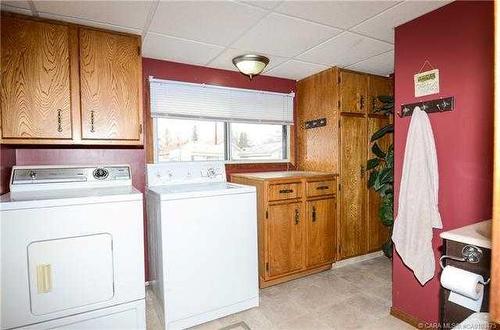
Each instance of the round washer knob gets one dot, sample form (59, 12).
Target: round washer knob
(100, 173)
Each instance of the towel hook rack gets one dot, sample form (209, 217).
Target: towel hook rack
(436, 105)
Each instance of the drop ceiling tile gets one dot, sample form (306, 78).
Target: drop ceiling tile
(128, 14)
(215, 22)
(345, 49)
(296, 70)
(382, 26)
(266, 4)
(342, 14)
(178, 50)
(91, 23)
(224, 60)
(284, 36)
(382, 64)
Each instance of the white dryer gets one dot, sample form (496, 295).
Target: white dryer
(202, 240)
(72, 253)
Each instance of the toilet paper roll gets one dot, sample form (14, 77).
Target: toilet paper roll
(465, 283)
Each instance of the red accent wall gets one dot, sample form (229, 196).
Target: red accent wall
(136, 157)
(457, 39)
(7, 160)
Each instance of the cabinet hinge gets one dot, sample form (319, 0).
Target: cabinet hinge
(267, 215)
(339, 186)
(267, 266)
(140, 128)
(339, 79)
(139, 50)
(339, 123)
(338, 104)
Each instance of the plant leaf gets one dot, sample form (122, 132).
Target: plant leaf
(383, 131)
(387, 248)
(386, 176)
(386, 99)
(372, 163)
(377, 151)
(372, 179)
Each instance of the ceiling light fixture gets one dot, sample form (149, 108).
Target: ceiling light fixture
(250, 65)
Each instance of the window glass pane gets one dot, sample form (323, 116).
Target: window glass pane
(188, 140)
(257, 142)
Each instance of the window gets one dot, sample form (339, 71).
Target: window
(203, 122)
(192, 140)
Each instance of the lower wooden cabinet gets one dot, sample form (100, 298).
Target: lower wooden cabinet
(296, 221)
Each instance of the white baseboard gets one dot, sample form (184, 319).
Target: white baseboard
(355, 260)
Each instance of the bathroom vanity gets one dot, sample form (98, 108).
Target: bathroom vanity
(478, 236)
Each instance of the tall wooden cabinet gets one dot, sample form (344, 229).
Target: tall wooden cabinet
(66, 84)
(296, 223)
(346, 99)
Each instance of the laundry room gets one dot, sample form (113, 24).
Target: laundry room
(235, 165)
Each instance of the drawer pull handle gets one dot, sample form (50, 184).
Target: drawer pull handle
(297, 216)
(286, 191)
(59, 121)
(314, 214)
(92, 119)
(322, 187)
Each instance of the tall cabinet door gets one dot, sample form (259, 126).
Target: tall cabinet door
(353, 226)
(377, 86)
(377, 232)
(110, 79)
(35, 85)
(286, 238)
(353, 92)
(320, 223)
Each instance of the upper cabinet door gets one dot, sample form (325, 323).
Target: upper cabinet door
(378, 86)
(35, 82)
(353, 92)
(110, 82)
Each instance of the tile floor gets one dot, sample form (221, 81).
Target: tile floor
(355, 296)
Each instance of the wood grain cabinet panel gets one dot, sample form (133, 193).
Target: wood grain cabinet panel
(352, 223)
(296, 234)
(110, 85)
(320, 231)
(286, 238)
(353, 92)
(35, 81)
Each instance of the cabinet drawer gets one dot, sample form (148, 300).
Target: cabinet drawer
(319, 188)
(285, 191)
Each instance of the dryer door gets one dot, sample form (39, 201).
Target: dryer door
(70, 272)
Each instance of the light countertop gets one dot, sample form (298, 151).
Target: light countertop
(478, 234)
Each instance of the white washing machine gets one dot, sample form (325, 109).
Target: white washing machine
(202, 239)
(72, 253)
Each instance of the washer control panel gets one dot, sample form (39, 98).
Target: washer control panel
(48, 174)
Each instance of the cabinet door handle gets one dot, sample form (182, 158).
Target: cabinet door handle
(362, 171)
(297, 216)
(314, 214)
(286, 191)
(361, 102)
(322, 187)
(92, 119)
(59, 121)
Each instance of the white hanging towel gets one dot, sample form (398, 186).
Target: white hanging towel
(418, 209)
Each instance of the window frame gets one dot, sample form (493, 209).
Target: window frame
(227, 145)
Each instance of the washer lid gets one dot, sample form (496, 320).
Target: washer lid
(61, 197)
(195, 190)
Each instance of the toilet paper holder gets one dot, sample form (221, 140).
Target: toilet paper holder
(470, 253)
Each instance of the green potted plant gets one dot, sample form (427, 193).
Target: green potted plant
(381, 168)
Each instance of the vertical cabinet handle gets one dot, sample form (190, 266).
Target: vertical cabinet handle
(362, 171)
(361, 102)
(92, 118)
(59, 121)
(297, 216)
(314, 214)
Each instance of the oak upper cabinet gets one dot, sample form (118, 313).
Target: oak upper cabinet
(110, 80)
(353, 91)
(352, 224)
(63, 83)
(286, 238)
(296, 223)
(36, 101)
(320, 222)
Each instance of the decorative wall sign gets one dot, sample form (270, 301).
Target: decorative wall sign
(426, 83)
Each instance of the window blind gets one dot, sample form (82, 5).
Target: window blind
(198, 101)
